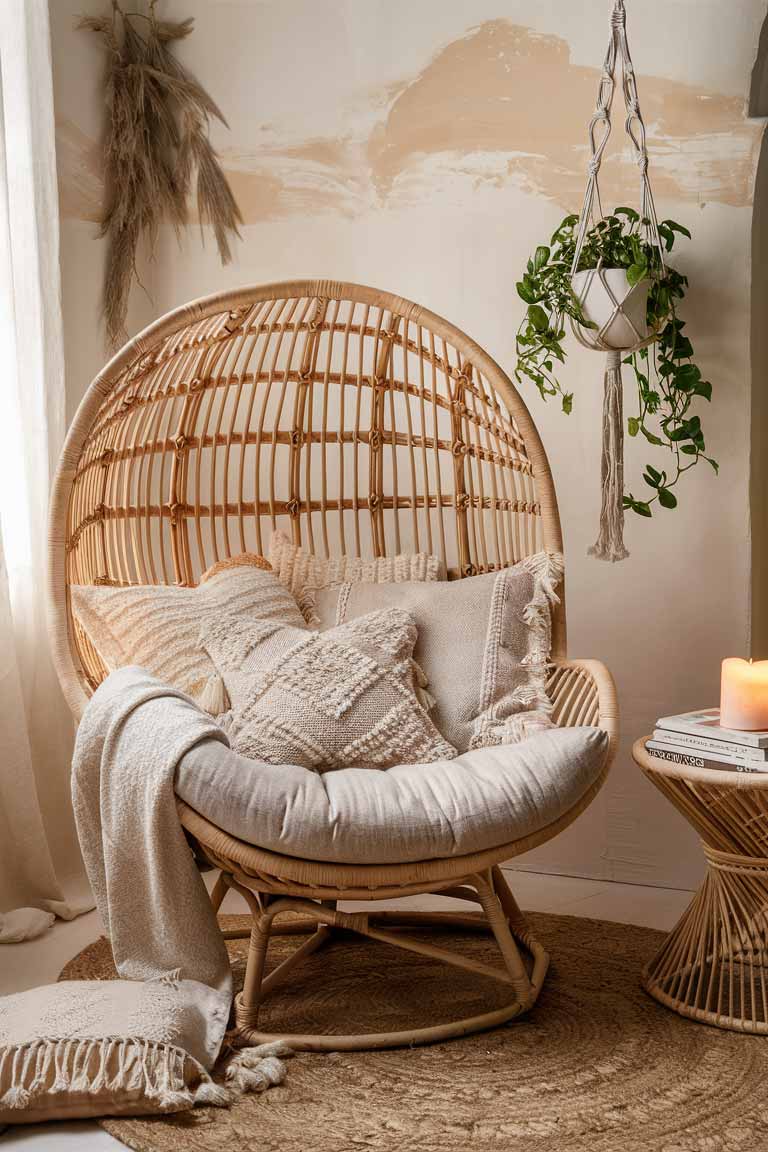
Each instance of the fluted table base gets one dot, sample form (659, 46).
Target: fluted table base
(713, 966)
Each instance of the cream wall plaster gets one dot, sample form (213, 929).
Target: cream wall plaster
(425, 148)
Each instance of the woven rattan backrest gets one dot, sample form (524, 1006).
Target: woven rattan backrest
(354, 420)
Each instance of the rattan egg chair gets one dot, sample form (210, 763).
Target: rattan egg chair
(359, 423)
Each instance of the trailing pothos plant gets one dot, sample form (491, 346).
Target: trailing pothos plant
(668, 381)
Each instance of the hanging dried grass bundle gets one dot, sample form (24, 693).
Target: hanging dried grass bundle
(156, 147)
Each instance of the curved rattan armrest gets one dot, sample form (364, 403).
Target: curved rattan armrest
(583, 692)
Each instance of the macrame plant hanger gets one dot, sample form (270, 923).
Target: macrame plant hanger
(610, 541)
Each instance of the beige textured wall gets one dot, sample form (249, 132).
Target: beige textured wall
(425, 148)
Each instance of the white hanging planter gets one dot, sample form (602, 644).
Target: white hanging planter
(617, 308)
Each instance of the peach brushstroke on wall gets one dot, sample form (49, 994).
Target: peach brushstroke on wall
(501, 105)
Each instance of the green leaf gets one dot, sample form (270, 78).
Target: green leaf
(667, 236)
(541, 257)
(678, 228)
(687, 377)
(633, 425)
(690, 449)
(654, 474)
(567, 403)
(628, 212)
(636, 273)
(667, 499)
(714, 463)
(641, 508)
(704, 388)
(525, 293)
(538, 318)
(650, 437)
(683, 349)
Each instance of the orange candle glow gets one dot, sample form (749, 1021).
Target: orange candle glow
(744, 695)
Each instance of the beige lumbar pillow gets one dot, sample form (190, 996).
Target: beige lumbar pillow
(157, 626)
(304, 572)
(483, 643)
(342, 698)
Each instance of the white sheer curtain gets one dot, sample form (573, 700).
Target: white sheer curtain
(39, 861)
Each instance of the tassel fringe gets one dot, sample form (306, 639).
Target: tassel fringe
(166, 1076)
(610, 542)
(496, 724)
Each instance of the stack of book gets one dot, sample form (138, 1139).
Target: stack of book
(696, 740)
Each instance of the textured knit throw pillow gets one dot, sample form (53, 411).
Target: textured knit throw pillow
(303, 572)
(158, 626)
(483, 644)
(345, 697)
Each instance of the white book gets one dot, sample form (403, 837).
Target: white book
(707, 744)
(706, 722)
(675, 754)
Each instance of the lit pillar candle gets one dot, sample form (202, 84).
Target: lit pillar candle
(744, 695)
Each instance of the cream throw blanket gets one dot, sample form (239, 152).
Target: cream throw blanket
(147, 887)
(148, 890)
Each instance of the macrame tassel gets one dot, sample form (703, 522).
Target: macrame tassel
(610, 542)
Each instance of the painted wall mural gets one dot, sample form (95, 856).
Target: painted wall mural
(471, 116)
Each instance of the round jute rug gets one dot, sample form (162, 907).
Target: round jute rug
(596, 1067)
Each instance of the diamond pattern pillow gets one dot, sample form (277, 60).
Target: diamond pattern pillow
(341, 698)
(157, 626)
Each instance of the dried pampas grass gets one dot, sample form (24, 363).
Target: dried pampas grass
(156, 150)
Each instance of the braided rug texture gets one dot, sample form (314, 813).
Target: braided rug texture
(597, 1066)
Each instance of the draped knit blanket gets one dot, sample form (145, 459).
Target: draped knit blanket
(158, 915)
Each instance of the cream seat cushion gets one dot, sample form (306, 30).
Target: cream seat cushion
(479, 800)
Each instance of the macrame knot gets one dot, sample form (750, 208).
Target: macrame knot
(594, 166)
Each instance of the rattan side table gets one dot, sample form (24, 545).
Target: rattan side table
(713, 966)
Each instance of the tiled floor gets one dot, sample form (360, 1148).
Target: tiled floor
(40, 961)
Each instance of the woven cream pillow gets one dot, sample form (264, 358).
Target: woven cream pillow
(345, 697)
(158, 626)
(105, 1048)
(303, 572)
(483, 644)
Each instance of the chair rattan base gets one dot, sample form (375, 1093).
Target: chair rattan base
(502, 918)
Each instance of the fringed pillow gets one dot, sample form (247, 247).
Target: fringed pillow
(346, 697)
(157, 626)
(118, 1048)
(304, 573)
(483, 644)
